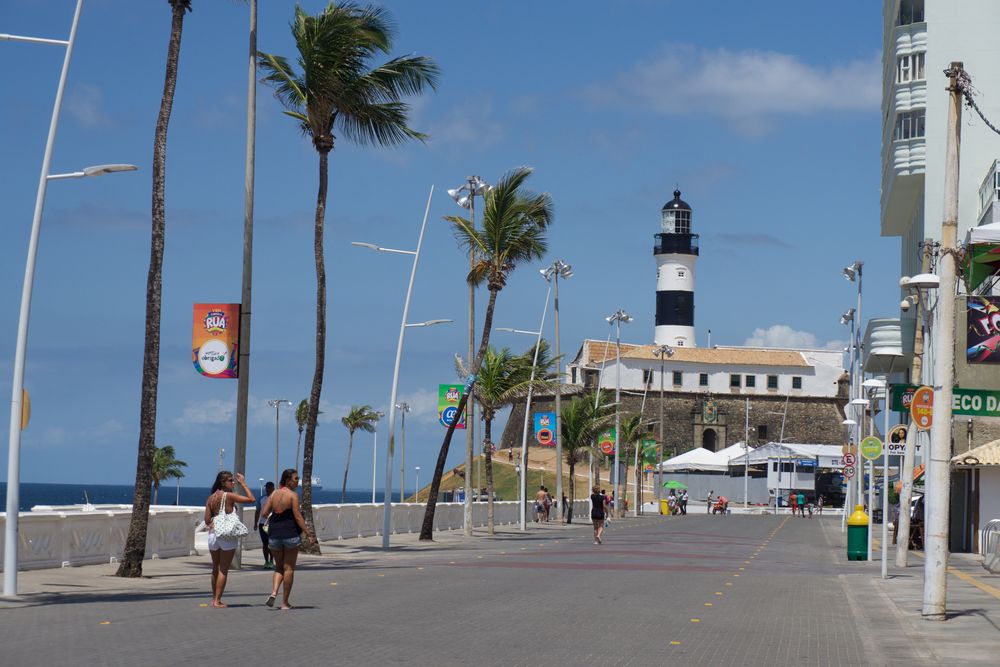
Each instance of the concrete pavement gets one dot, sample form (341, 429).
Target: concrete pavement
(695, 590)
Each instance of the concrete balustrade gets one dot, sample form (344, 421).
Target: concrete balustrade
(77, 536)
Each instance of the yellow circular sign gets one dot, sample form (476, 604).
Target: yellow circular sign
(922, 408)
(871, 447)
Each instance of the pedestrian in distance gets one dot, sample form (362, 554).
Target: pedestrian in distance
(684, 502)
(793, 502)
(607, 503)
(260, 520)
(801, 499)
(708, 502)
(547, 503)
(540, 496)
(598, 513)
(284, 535)
(222, 549)
(567, 511)
(819, 505)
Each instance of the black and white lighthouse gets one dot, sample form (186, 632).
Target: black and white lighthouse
(676, 251)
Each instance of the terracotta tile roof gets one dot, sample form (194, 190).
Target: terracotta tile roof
(983, 455)
(728, 356)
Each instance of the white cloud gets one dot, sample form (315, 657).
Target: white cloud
(782, 335)
(211, 412)
(469, 124)
(423, 405)
(85, 104)
(89, 435)
(749, 88)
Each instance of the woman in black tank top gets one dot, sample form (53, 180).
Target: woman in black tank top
(284, 526)
(597, 513)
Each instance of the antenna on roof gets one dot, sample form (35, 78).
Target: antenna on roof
(710, 339)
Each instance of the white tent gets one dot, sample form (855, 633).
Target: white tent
(696, 459)
(731, 452)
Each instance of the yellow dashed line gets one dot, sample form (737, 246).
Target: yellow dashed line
(696, 620)
(718, 592)
(675, 643)
(203, 604)
(420, 568)
(736, 575)
(708, 604)
(729, 583)
(105, 622)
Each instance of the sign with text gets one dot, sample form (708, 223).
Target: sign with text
(215, 339)
(449, 396)
(922, 408)
(545, 424)
(606, 441)
(896, 442)
(982, 331)
(871, 447)
(968, 402)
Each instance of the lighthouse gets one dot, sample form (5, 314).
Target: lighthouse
(676, 251)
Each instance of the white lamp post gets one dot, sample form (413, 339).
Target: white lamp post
(276, 403)
(522, 479)
(559, 269)
(617, 318)
(853, 273)
(379, 414)
(416, 488)
(17, 394)
(403, 409)
(663, 352)
(465, 196)
(390, 450)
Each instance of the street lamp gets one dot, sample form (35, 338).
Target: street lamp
(276, 404)
(663, 352)
(522, 481)
(559, 269)
(617, 318)
(465, 196)
(403, 409)
(17, 395)
(853, 273)
(378, 415)
(416, 484)
(390, 450)
(261, 480)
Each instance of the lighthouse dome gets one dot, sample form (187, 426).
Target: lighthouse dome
(676, 204)
(675, 217)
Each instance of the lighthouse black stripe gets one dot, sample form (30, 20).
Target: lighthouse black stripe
(675, 307)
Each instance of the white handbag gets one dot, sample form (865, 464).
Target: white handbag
(228, 525)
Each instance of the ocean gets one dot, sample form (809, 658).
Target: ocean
(103, 494)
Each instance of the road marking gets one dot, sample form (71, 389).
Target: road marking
(420, 568)
(333, 583)
(203, 604)
(742, 569)
(380, 575)
(718, 592)
(696, 620)
(451, 562)
(708, 604)
(675, 643)
(105, 622)
(736, 575)
(729, 583)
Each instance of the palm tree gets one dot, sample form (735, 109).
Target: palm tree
(135, 543)
(513, 232)
(301, 415)
(165, 466)
(336, 88)
(363, 418)
(503, 380)
(632, 430)
(580, 423)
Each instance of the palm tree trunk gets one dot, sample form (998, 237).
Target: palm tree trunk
(343, 487)
(298, 447)
(156, 493)
(311, 546)
(135, 542)
(572, 490)
(427, 528)
(488, 451)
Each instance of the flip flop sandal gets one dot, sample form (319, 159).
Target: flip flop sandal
(270, 601)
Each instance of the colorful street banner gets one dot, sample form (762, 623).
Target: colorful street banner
(215, 339)
(964, 402)
(545, 429)
(982, 331)
(606, 441)
(448, 397)
(649, 451)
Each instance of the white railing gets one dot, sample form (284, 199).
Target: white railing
(991, 546)
(73, 536)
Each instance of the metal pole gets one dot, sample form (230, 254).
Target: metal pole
(403, 409)
(558, 434)
(17, 393)
(523, 481)
(885, 477)
(390, 450)
(871, 478)
(416, 490)
(939, 460)
(659, 471)
(618, 391)
(277, 412)
(746, 458)
(470, 408)
(374, 461)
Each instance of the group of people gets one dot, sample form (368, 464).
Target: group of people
(801, 504)
(543, 504)
(716, 504)
(677, 503)
(278, 520)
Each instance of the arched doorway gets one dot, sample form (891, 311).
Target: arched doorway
(709, 439)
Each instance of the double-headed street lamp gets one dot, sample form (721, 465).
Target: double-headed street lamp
(465, 196)
(403, 409)
(390, 450)
(276, 403)
(559, 269)
(522, 483)
(616, 319)
(17, 403)
(664, 352)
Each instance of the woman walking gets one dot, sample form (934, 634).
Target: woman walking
(222, 549)
(284, 529)
(598, 512)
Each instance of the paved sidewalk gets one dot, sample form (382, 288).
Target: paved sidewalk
(693, 590)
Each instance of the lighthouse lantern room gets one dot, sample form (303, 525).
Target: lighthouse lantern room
(676, 251)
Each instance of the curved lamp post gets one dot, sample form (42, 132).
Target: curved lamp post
(616, 319)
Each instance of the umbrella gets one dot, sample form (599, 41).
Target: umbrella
(672, 484)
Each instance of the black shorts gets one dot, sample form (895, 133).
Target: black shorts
(594, 516)
(263, 534)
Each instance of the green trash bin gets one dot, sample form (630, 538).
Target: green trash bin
(857, 534)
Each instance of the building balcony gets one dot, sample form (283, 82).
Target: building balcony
(675, 244)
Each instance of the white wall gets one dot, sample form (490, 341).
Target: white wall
(989, 498)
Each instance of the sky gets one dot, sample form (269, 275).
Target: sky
(765, 115)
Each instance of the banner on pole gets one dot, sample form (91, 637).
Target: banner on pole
(448, 397)
(606, 441)
(649, 451)
(215, 339)
(545, 425)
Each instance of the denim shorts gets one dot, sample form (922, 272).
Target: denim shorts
(283, 543)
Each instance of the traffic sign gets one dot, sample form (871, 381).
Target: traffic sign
(922, 408)
(871, 447)
(850, 459)
(849, 472)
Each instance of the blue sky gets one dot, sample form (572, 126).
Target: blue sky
(766, 115)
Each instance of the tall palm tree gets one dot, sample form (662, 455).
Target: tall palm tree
(301, 415)
(632, 430)
(503, 379)
(165, 466)
(135, 543)
(336, 88)
(579, 424)
(513, 232)
(361, 418)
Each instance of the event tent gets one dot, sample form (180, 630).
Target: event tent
(699, 459)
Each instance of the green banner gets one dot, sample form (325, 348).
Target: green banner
(649, 451)
(966, 402)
